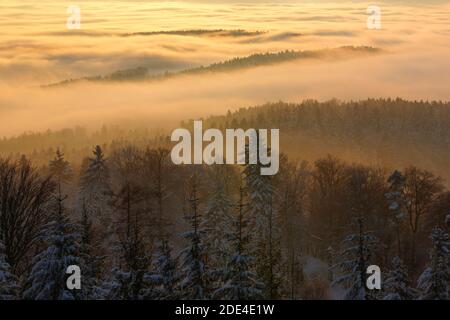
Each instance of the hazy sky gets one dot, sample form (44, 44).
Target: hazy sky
(36, 48)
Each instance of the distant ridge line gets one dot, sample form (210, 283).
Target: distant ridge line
(238, 63)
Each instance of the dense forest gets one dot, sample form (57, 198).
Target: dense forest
(142, 228)
(384, 132)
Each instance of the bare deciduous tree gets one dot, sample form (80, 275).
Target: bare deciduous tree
(24, 196)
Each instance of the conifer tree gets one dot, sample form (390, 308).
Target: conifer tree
(354, 258)
(394, 197)
(397, 283)
(240, 282)
(127, 281)
(218, 214)
(9, 286)
(90, 262)
(60, 169)
(47, 279)
(267, 234)
(165, 278)
(435, 280)
(194, 285)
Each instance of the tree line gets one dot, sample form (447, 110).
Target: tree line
(393, 132)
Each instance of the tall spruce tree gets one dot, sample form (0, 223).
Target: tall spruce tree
(127, 280)
(396, 206)
(435, 280)
(60, 169)
(194, 284)
(267, 234)
(354, 258)
(165, 277)
(397, 285)
(90, 262)
(240, 282)
(218, 214)
(47, 279)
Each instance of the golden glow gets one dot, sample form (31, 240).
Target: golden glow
(36, 48)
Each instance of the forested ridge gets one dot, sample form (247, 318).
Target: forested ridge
(142, 73)
(389, 132)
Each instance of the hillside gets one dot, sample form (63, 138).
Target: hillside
(392, 132)
(143, 73)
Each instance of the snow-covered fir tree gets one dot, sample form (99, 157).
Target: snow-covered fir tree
(397, 285)
(435, 280)
(120, 285)
(127, 275)
(218, 214)
(90, 262)
(354, 258)
(47, 279)
(395, 200)
(194, 284)
(240, 282)
(269, 259)
(261, 195)
(124, 284)
(164, 278)
(9, 285)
